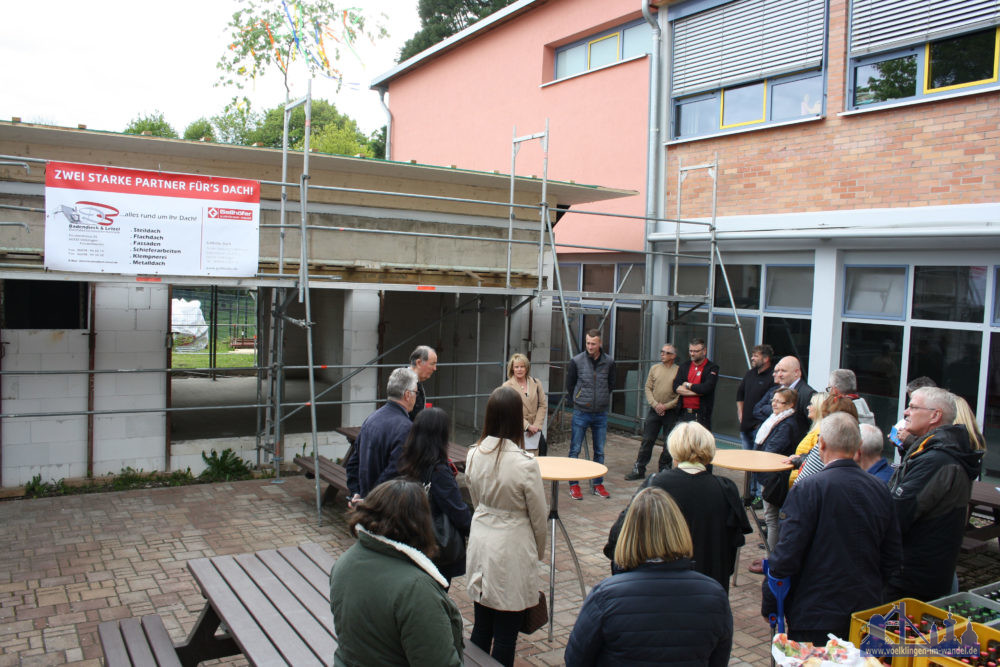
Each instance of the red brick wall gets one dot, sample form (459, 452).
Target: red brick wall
(934, 153)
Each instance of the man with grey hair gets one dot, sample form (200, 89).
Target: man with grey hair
(423, 362)
(843, 382)
(839, 540)
(372, 460)
(930, 491)
(869, 457)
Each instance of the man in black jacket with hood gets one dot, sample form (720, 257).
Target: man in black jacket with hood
(930, 491)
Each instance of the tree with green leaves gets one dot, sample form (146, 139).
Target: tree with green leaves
(440, 19)
(153, 123)
(200, 129)
(273, 34)
(237, 125)
(376, 142)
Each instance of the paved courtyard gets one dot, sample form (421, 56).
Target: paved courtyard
(69, 563)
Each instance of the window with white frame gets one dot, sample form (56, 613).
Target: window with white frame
(603, 49)
(913, 49)
(745, 63)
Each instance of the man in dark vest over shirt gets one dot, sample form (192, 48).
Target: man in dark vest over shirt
(590, 379)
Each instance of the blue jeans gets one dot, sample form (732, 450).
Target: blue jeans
(598, 423)
(746, 437)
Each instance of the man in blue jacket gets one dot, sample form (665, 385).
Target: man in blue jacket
(839, 540)
(376, 451)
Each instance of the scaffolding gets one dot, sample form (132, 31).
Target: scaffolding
(287, 288)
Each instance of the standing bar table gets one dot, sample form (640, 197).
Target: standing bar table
(563, 469)
(750, 461)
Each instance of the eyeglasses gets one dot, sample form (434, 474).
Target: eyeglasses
(695, 350)
(918, 407)
(667, 352)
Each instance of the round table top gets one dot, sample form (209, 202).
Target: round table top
(750, 460)
(563, 468)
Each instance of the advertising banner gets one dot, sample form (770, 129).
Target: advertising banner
(130, 221)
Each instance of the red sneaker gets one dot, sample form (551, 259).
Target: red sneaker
(599, 490)
(574, 492)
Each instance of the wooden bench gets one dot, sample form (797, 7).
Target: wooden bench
(137, 641)
(456, 452)
(334, 474)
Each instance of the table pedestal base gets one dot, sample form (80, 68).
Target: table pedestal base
(553, 520)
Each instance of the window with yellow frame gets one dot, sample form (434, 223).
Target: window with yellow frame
(961, 62)
(602, 49)
(744, 105)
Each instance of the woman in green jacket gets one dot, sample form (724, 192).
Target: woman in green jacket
(390, 604)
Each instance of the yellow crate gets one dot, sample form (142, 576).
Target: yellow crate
(986, 635)
(913, 608)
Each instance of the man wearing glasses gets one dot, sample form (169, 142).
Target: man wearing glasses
(695, 383)
(930, 491)
(662, 413)
(423, 362)
(372, 460)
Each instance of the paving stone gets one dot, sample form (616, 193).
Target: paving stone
(71, 562)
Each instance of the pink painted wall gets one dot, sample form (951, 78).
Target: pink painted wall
(461, 109)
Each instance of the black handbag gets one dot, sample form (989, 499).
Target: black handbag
(450, 543)
(776, 488)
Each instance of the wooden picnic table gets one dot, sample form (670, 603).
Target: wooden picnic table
(456, 452)
(985, 505)
(274, 607)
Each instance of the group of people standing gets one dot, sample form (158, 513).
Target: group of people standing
(848, 529)
(389, 591)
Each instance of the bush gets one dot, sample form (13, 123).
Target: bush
(227, 467)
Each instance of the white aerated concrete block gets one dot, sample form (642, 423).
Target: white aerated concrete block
(138, 297)
(111, 297)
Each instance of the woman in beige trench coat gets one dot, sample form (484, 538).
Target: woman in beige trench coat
(507, 538)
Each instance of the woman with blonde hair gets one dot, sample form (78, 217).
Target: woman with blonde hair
(657, 610)
(809, 440)
(710, 505)
(533, 399)
(965, 417)
(507, 538)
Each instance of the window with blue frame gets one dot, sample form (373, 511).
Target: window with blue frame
(914, 49)
(603, 49)
(745, 63)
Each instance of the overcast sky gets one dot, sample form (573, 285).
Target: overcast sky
(102, 63)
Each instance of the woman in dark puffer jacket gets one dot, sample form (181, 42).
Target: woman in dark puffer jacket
(658, 610)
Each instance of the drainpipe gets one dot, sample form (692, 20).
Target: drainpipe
(653, 180)
(91, 393)
(388, 122)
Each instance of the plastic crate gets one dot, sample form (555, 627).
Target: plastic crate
(914, 609)
(988, 638)
(975, 600)
(987, 589)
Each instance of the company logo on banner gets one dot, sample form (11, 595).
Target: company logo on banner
(131, 221)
